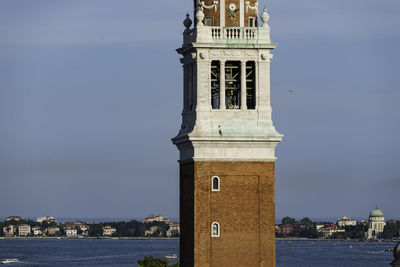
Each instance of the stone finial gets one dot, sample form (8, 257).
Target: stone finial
(265, 18)
(199, 17)
(187, 22)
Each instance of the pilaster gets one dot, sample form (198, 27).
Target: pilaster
(243, 97)
(222, 84)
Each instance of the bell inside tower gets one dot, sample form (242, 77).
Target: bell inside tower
(232, 85)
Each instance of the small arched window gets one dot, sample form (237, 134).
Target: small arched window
(215, 229)
(215, 183)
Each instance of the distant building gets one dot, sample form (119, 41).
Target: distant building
(84, 229)
(173, 228)
(71, 231)
(48, 219)
(13, 218)
(108, 230)
(24, 230)
(319, 226)
(376, 224)
(151, 231)
(346, 221)
(285, 229)
(9, 230)
(152, 218)
(329, 230)
(53, 230)
(37, 231)
(81, 227)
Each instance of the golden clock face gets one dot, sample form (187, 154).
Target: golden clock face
(232, 6)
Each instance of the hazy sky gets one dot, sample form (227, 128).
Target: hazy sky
(90, 95)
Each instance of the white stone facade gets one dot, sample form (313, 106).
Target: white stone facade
(47, 219)
(226, 134)
(346, 221)
(24, 230)
(108, 230)
(376, 226)
(71, 232)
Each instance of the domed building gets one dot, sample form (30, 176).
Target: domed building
(376, 224)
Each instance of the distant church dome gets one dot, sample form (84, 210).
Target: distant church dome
(376, 213)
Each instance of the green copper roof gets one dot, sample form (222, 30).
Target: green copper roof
(376, 213)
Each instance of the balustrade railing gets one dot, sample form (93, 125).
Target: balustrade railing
(234, 33)
(248, 35)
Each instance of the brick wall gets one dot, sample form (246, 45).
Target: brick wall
(244, 207)
(212, 12)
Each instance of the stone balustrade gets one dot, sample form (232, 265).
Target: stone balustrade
(220, 35)
(234, 33)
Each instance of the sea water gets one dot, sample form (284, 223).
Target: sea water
(101, 252)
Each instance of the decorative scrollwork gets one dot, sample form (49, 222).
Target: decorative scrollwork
(248, 6)
(214, 5)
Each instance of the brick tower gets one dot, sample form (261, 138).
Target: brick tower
(227, 139)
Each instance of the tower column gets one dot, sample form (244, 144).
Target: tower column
(256, 74)
(241, 13)
(190, 91)
(243, 96)
(222, 13)
(222, 84)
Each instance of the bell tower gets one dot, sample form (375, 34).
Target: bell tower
(227, 139)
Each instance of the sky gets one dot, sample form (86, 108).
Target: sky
(91, 94)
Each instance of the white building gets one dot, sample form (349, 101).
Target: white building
(151, 231)
(24, 230)
(13, 218)
(53, 230)
(376, 224)
(173, 228)
(346, 221)
(9, 230)
(108, 230)
(37, 231)
(71, 232)
(48, 219)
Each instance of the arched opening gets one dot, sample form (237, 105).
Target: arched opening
(215, 229)
(215, 183)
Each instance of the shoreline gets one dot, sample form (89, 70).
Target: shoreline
(103, 238)
(333, 240)
(177, 238)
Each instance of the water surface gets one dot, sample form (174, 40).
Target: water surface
(99, 252)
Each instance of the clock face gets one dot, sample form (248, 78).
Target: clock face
(232, 7)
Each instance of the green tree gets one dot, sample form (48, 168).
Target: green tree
(95, 230)
(1, 228)
(391, 230)
(156, 262)
(306, 221)
(288, 220)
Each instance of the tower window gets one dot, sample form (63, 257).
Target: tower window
(215, 229)
(232, 84)
(209, 21)
(215, 183)
(250, 85)
(215, 84)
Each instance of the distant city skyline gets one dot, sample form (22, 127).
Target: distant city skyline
(90, 95)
